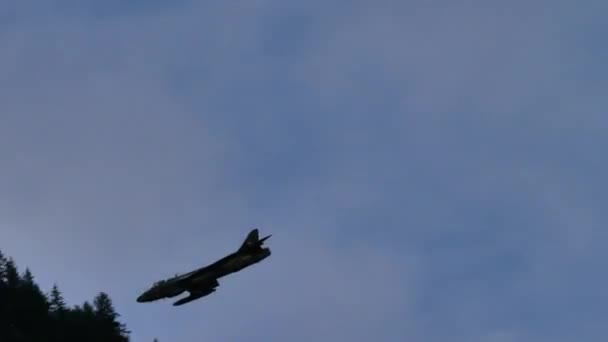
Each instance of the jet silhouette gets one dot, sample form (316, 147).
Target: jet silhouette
(203, 281)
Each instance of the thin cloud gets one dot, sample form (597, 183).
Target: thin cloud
(427, 171)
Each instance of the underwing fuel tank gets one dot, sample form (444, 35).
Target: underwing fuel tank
(194, 296)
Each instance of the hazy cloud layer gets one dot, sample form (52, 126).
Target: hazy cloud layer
(429, 171)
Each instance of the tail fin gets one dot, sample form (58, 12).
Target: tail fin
(253, 240)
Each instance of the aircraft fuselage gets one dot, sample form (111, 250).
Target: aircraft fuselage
(203, 281)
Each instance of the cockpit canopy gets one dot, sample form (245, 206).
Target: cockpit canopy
(158, 283)
(164, 281)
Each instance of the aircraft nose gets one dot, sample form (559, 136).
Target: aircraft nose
(142, 298)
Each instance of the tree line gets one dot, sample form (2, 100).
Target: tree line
(27, 314)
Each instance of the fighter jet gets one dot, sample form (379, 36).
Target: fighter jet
(203, 281)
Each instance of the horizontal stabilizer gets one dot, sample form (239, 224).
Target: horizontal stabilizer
(264, 239)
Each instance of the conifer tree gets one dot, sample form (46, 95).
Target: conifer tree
(5, 329)
(87, 310)
(104, 308)
(57, 312)
(30, 309)
(29, 288)
(12, 273)
(27, 314)
(2, 269)
(9, 300)
(108, 317)
(56, 302)
(27, 277)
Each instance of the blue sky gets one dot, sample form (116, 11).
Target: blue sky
(430, 171)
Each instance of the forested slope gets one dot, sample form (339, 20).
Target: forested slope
(27, 314)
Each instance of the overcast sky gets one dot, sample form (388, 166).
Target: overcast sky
(430, 170)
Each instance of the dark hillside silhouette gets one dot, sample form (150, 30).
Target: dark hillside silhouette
(29, 315)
